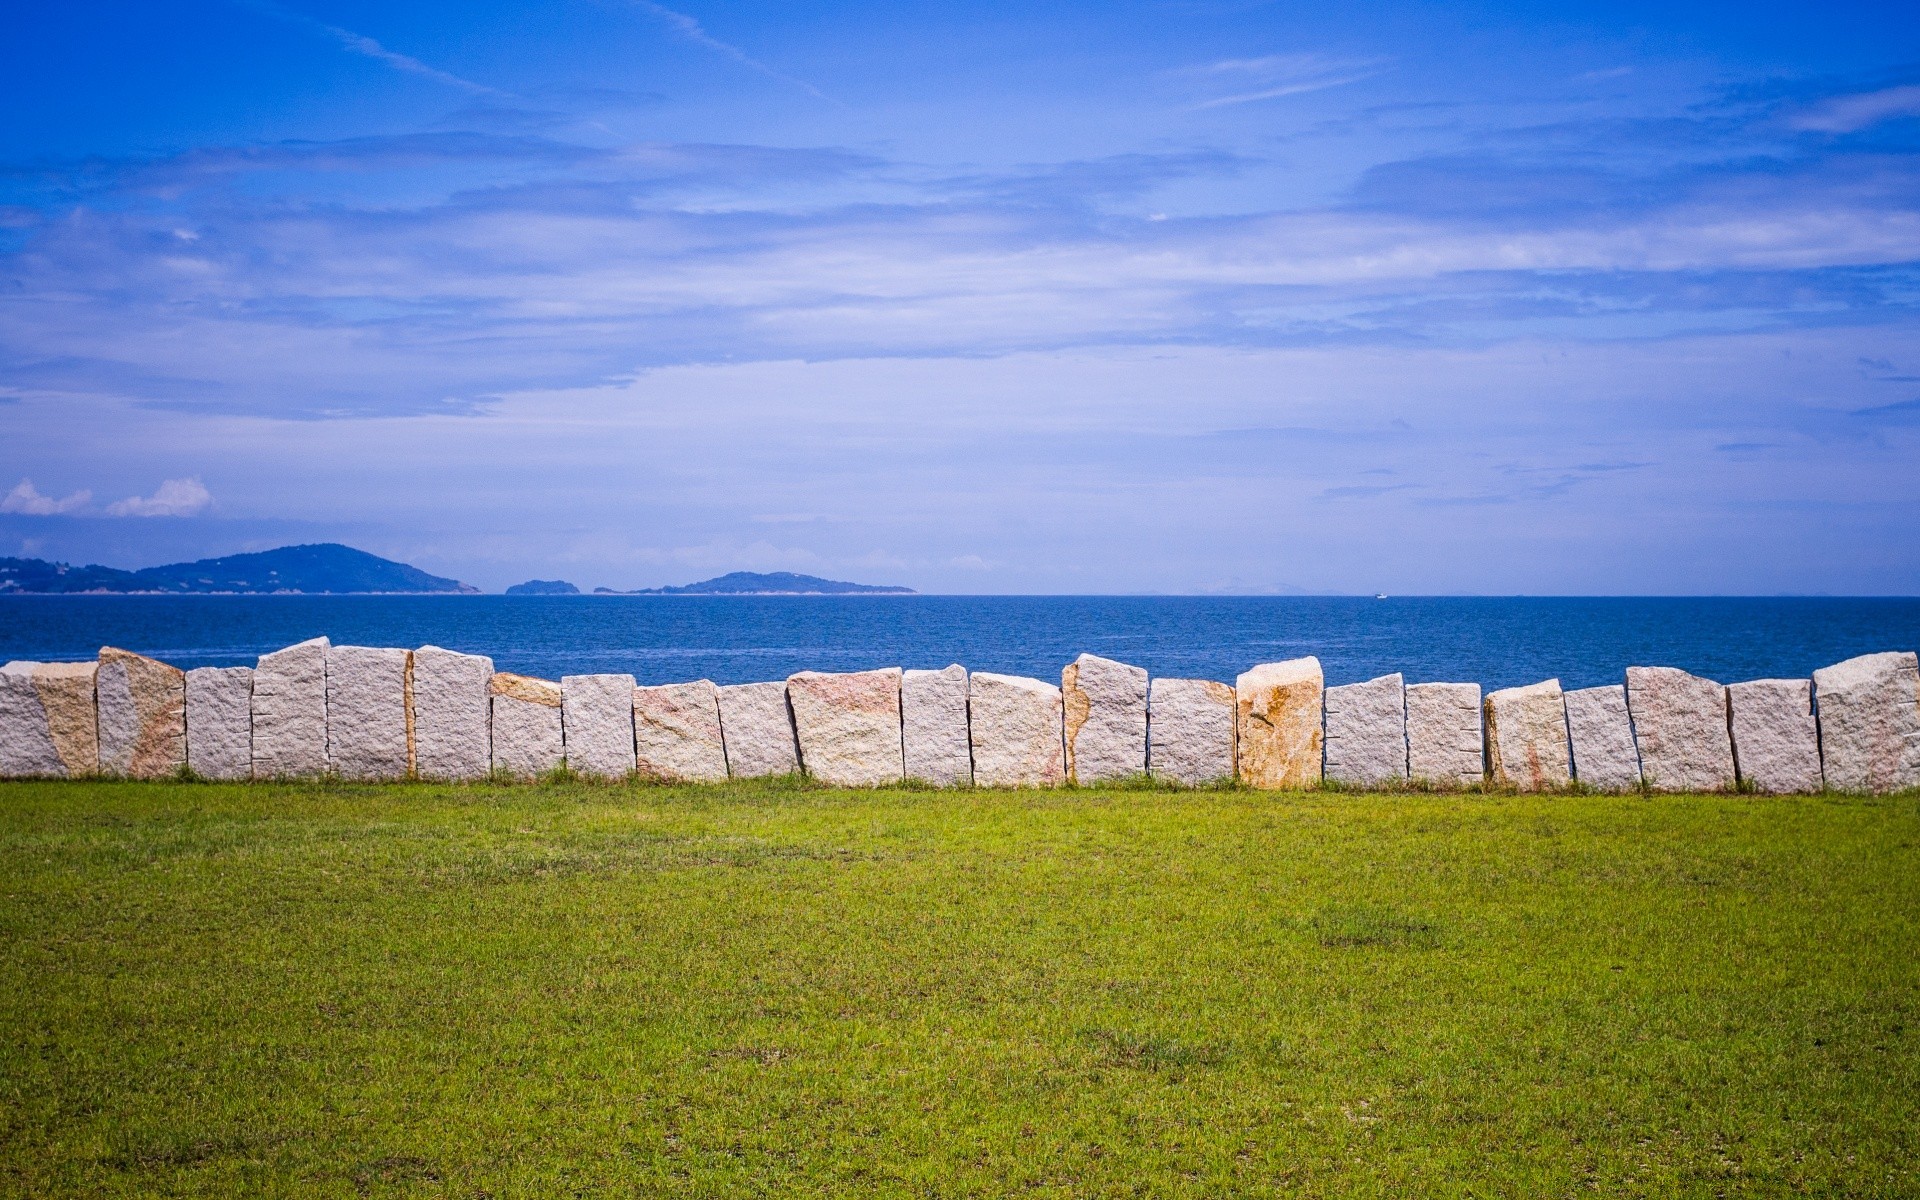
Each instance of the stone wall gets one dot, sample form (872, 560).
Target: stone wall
(317, 710)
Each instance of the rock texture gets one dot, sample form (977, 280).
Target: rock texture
(1016, 729)
(1105, 707)
(1444, 745)
(290, 712)
(369, 733)
(528, 739)
(757, 728)
(598, 714)
(1367, 732)
(1279, 724)
(143, 715)
(49, 726)
(1190, 731)
(220, 722)
(450, 714)
(849, 726)
(933, 726)
(1869, 712)
(1527, 737)
(1601, 735)
(676, 733)
(1680, 727)
(1776, 743)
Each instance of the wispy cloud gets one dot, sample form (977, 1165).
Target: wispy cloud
(26, 500)
(1846, 114)
(1275, 75)
(367, 47)
(691, 29)
(173, 498)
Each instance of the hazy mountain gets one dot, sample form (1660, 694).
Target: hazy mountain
(778, 583)
(543, 587)
(324, 568)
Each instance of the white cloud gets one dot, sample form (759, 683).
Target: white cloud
(1275, 75)
(26, 499)
(1844, 114)
(173, 498)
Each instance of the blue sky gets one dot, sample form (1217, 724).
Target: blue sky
(1183, 296)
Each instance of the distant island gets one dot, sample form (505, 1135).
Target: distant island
(327, 569)
(778, 583)
(543, 587)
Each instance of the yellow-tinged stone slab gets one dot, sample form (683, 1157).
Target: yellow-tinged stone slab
(1280, 730)
(143, 715)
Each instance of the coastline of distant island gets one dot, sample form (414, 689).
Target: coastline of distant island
(777, 583)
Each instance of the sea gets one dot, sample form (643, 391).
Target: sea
(1493, 641)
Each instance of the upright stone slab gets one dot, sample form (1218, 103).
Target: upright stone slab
(368, 728)
(1367, 732)
(1601, 735)
(1444, 743)
(451, 702)
(1527, 737)
(849, 726)
(528, 736)
(1016, 727)
(933, 726)
(1869, 713)
(143, 715)
(598, 714)
(1776, 743)
(676, 733)
(220, 722)
(1680, 727)
(1190, 731)
(49, 726)
(1280, 724)
(757, 728)
(1105, 707)
(290, 712)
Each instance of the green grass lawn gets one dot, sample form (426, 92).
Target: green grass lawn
(775, 990)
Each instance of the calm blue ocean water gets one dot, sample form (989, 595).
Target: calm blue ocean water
(1496, 642)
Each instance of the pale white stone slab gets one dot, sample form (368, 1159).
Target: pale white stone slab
(451, 722)
(26, 740)
(1281, 731)
(289, 702)
(1017, 731)
(598, 713)
(758, 730)
(1680, 727)
(849, 726)
(1776, 742)
(1869, 713)
(1601, 734)
(1527, 737)
(143, 715)
(367, 728)
(1105, 707)
(1190, 731)
(220, 722)
(933, 726)
(1367, 732)
(1444, 742)
(528, 734)
(676, 733)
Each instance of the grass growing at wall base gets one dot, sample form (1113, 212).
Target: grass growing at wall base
(368, 990)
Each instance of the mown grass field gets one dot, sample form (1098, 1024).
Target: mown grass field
(775, 990)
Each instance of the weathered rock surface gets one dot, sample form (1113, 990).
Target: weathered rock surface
(528, 734)
(1680, 727)
(758, 730)
(598, 714)
(1280, 730)
(1190, 731)
(1444, 745)
(451, 714)
(1869, 713)
(290, 712)
(1105, 710)
(49, 726)
(676, 733)
(1776, 742)
(1016, 727)
(933, 726)
(1527, 737)
(849, 726)
(367, 720)
(1367, 731)
(143, 715)
(1601, 735)
(220, 722)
